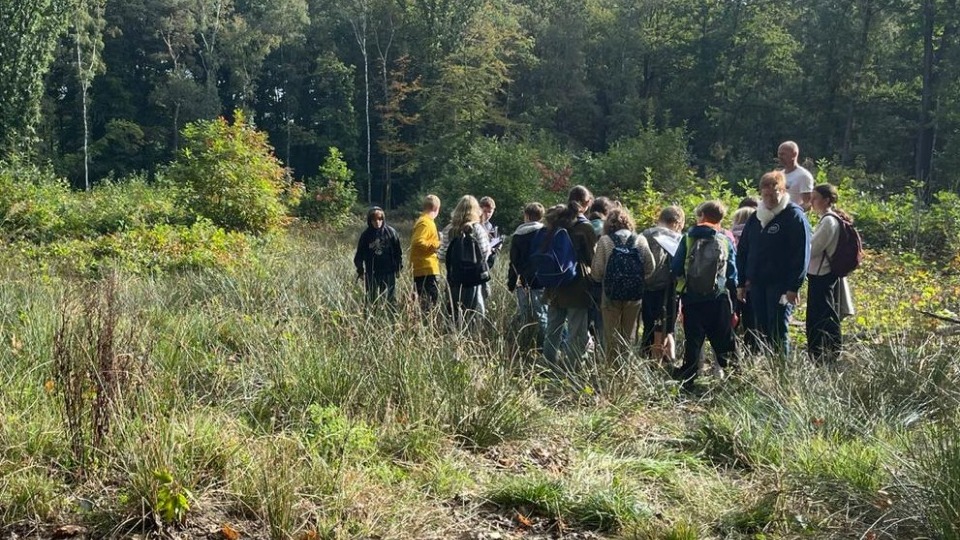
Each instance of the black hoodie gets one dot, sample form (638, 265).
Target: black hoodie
(378, 251)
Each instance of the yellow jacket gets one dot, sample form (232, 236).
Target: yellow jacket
(424, 244)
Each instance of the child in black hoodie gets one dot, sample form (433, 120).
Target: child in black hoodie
(379, 258)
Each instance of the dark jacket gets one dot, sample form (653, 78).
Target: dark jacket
(776, 255)
(520, 249)
(378, 251)
(576, 294)
(678, 266)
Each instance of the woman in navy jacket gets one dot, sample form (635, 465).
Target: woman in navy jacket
(772, 258)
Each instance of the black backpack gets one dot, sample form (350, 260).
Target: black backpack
(466, 264)
(623, 279)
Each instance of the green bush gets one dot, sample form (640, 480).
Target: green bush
(141, 250)
(331, 194)
(32, 200)
(657, 156)
(511, 172)
(230, 175)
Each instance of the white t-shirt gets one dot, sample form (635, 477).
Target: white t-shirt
(799, 181)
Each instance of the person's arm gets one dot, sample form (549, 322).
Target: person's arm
(425, 237)
(512, 273)
(361, 255)
(732, 280)
(482, 238)
(799, 261)
(827, 229)
(444, 243)
(598, 266)
(397, 251)
(743, 251)
(806, 191)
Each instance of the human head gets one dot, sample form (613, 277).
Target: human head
(773, 186)
(431, 205)
(487, 207)
(553, 215)
(375, 217)
(466, 213)
(672, 217)
(787, 154)
(617, 220)
(748, 202)
(601, 207)
(741, 216)
(533, 212)
(823, 197)
(580, 197)
(711, 212)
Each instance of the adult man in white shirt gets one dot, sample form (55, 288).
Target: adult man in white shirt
(799, 179)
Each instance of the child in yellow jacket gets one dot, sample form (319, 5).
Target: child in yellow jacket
(424, 244)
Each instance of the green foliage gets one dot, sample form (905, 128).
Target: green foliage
(607, 509)
(173, 500)
(936, 458)
(229, 175)
(24, 61)
(655, 159)
(330, 195)
(146, 249)
(511, 172)
(333, 435)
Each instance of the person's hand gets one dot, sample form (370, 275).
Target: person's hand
(742, 294)
(359, 274)
(792, 297)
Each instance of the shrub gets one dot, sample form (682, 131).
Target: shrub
(147, 249)
(511, 172)
(31, 201)
(230, 175)
(657, 156)
(331, 194)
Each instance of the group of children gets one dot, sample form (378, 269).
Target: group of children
(583, 274)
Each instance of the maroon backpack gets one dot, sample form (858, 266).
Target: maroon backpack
(849, 253)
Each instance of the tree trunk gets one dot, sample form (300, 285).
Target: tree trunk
(926, 124)
(86, 125)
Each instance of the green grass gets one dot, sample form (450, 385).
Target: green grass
(271, 398)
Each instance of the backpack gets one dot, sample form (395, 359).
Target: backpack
(553, 261)
(466, 264)
(662, 277)
(849, 252)
(623, 279)
(706, 265)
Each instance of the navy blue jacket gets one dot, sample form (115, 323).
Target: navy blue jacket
(678, 265)
(777, 255)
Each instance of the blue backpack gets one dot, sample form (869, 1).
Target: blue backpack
(553, 260)
(623, 279)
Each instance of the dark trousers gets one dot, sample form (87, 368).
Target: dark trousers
(772, 317)
(706, 320)
(428, 291)
(823, 321)
(748, 327)
(381, 287)
(658, 311)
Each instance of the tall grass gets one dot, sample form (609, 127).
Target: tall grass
(271, 393)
